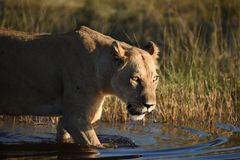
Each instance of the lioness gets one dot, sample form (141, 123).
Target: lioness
(69, 75)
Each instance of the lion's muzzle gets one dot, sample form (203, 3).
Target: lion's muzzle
(137, 112)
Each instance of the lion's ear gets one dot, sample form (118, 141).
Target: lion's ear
(119, 54)
(152, 49)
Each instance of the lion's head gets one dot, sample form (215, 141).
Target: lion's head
(135, 78)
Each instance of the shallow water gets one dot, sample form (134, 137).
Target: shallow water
(153, 140)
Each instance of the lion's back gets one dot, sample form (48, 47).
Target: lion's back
(19, 35)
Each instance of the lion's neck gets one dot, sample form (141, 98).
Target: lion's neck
(104, 71)
(99, 45)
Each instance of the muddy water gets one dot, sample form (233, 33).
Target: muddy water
(153, 141)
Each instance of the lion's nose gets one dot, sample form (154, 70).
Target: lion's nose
(148, 105)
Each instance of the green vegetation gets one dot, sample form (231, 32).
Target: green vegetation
(199, 43)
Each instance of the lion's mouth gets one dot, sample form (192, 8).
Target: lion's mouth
(137, 117)
(136, 112)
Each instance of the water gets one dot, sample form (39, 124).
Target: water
(153, 140)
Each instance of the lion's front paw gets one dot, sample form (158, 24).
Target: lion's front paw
(99, 146)
(108, 145)
(103, 146)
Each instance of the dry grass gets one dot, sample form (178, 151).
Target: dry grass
(199, 43)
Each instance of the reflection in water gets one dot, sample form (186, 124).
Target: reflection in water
(63, 151)
(154, 140)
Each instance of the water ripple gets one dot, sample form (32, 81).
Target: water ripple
(228, 127)
(209, 146)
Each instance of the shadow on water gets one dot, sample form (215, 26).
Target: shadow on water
(154, 140)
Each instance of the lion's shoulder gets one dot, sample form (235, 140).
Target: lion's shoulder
(88, 33)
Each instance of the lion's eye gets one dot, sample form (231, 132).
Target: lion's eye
(135, 78)
(155, 78)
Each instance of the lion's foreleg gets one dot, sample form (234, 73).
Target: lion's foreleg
(92, 136)
(81, 131)
(62, 135)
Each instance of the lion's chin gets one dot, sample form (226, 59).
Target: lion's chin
(137, 117)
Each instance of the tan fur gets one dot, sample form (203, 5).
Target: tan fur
(69, 75)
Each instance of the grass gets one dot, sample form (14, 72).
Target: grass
(199, 45)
